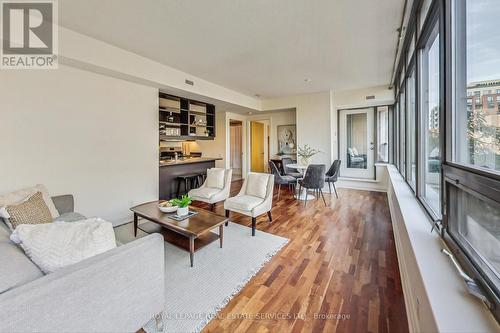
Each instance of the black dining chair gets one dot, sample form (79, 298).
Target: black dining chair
(314, 179)
(332, 176)
(288, 171)
(282, 179)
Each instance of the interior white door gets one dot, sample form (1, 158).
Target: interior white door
(357, 143)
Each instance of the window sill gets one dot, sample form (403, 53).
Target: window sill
(435, 296)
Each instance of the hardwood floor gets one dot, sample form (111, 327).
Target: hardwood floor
(338, 273)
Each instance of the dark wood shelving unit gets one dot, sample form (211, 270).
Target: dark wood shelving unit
(185, 119)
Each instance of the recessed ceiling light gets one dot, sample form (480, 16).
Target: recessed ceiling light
(257, 95)
(307, 80)
(250, 112)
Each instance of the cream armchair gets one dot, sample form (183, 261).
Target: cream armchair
(215, 188)
(255, 197)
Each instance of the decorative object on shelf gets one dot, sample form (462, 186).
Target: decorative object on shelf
(306, 154)
(163, 129)
(169, 131)
(198, 121)
(287, 139)
(182, 204)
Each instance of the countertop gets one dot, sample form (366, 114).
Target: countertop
(189, 161)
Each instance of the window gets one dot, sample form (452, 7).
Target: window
(430, 128)
(402, 131)
(476, 227)
(411, 133)
(490, 102)
(477, 138)
(469, 104)
(424, 10)
(477, 104)
(396, 135)
(471, 172)
(383, 134)
(454, 169)
(411, 48)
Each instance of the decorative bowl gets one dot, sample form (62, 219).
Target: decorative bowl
(167, 208)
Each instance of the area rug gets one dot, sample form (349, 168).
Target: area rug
(194, 295)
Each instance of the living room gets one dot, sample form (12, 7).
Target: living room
(327, 214)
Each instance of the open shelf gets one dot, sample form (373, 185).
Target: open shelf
(190, 117)
(168, 109)
(198, 112)
(170, 124)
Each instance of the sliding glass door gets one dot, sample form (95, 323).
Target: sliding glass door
(356, 143)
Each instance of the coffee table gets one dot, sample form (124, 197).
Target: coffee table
(190, 234)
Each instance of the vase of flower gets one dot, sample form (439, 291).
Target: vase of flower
(304, 160)
(306, 154)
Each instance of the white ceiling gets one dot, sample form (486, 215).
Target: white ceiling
(265, 47)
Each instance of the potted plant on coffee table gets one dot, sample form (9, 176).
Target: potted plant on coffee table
(182, 204)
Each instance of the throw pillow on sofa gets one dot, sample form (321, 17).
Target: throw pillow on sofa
(32, 211)
(55, 245)
(16, 197)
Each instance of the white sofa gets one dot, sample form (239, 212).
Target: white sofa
(211, 192)
(255, 197)
(116, 291)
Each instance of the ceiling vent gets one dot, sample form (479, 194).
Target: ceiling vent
(370, 97)
(191, 83)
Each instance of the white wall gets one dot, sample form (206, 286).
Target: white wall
(81, 133)
(313, 121)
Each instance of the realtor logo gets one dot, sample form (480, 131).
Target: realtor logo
(29, 39)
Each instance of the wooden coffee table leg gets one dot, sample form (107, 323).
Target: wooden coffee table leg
(191, 250)
(221, 235)
(135, 224)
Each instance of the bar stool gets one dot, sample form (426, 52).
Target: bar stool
(188, 182)
(203, 176)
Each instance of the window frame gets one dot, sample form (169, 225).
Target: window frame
(402, 129)
(440, 13)
(433, 19)
(475, 181)
(377, 133)
(412, 69)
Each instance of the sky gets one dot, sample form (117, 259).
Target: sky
(483, 40)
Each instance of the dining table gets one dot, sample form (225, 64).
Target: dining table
(303, 195)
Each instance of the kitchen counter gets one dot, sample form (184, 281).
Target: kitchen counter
(169, 171)
(189, 161)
